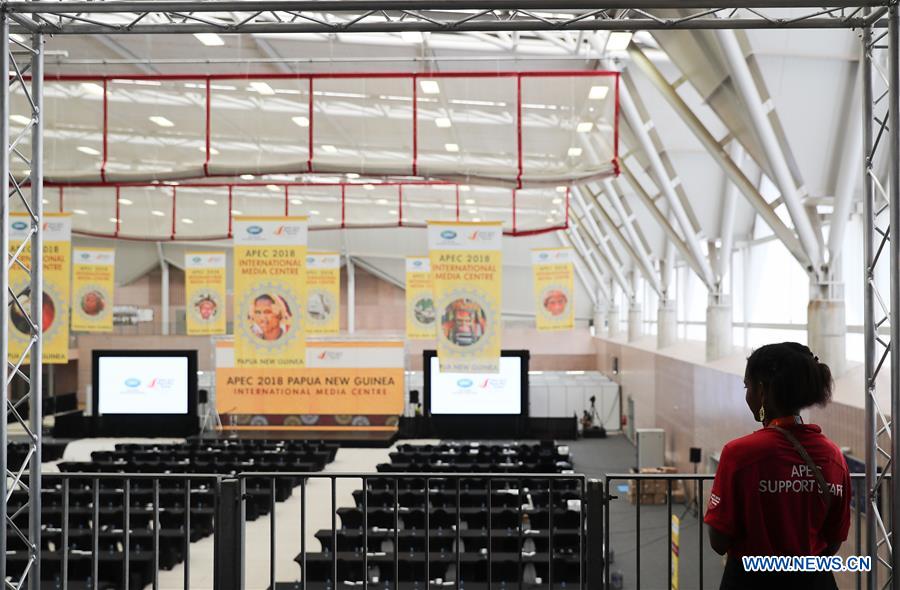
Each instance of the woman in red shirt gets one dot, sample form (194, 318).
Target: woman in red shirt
(784, 489)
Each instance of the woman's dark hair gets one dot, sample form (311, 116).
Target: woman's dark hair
(791, 374)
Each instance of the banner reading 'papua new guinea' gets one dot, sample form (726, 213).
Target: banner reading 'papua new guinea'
(466, 273)
(323, 293)
(204, 285)
(554, 282)
(269, 290)
(420, 316)
(56, 264)
(93, 283)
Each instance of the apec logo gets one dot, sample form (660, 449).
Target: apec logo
(481, 235)
(132, 382)
(417, 263)
(85, 255)
(196, 259)
(448, 234)
(310, 260)
(287, 230)
(254, 230)
(465, 383)
(19, 225)
(543, 256)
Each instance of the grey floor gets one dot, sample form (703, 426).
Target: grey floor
(615, 454)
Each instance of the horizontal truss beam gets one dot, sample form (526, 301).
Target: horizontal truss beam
(392, 16)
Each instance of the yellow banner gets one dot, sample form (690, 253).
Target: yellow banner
(323, 293)
(554, 286)
(676, 526)
(204, 286)
(269, 289)
(420, 317)
(340, 378)
(466, 272)
(93, 284)
(57, 288)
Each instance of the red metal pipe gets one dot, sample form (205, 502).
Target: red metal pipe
(514, 212)
(230, 209)
(457, 202)
(118, 218)
(518, 132)
(174, 210)
(415, 122)
(323, 75)
(343, 206)
(61, 199)
(286, 202)
(616, 129)
(309, 151)
(400, 206)
(105, 131)
(208, 129)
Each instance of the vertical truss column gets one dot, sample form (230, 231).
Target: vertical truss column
(27, 298)
(880, 229)
(893, 82)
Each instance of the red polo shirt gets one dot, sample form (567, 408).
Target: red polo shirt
(767, 501)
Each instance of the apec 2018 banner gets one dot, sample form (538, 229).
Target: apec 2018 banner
(57, 287)
(554, 281)
(93, 285)
(466, 271)
(421, 323)
(344, 385)
(204, 285)
(323, 293)
(269, 291)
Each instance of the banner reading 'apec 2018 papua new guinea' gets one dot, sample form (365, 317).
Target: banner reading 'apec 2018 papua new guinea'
(57, 266)
(269, 291)
(554, 282)
(93, 285)
(466, 271)
(204, 285)
(421, 323)
(323, 293)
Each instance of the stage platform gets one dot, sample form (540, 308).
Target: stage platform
(359, 439)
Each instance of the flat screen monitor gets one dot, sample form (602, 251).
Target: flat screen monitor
(145, 382)
(493, 394)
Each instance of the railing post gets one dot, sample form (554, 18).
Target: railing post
(595, 500)
(228, 540)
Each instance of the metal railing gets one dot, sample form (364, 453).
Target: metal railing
(427, 486)
(111, 516)
(858, 489)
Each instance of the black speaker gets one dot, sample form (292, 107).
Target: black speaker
(695, 454)
(615, 365)
(202, 396)
(413, 396)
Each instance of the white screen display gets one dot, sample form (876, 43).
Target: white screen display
(468, 393)
(143, 385)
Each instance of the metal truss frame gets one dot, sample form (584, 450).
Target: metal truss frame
(79, 17)
(20, 60)
(346, 16)
(881, 226)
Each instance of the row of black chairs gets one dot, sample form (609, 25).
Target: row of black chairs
(437, 529)
(160, 513)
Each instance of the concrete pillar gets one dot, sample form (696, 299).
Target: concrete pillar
(666, 324)
(827, 332)
(635, 322)
(719, 334)
(612, 321)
